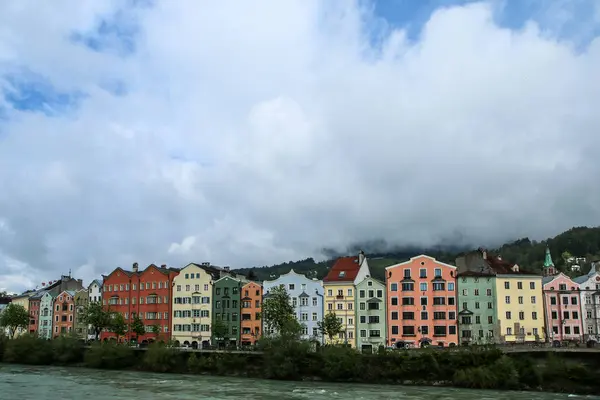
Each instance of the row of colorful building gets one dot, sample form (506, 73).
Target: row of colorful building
(481, 299)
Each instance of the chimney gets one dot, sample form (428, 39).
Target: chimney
(361, 257)
(80, 281)
(135, 267)
(164, 266)
(226, 269)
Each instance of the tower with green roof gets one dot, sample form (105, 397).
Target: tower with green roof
(549, 268)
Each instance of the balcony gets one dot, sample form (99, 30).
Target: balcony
(339, 297)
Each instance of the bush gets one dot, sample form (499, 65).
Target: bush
(159, 358)
(28, 349)
(110, 356)
(67, 350)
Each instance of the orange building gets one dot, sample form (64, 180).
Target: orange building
(251, 308)
(421, 303)
(63, 313)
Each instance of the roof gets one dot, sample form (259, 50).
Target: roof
(475, 274)
(97, 282)
(345, 269)
(503, 267)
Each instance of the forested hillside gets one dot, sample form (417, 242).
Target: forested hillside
(577, 242)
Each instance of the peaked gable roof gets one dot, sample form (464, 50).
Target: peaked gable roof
(345, 269)
(549, 279)
(419, 257)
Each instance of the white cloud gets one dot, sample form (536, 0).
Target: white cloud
(261, 132)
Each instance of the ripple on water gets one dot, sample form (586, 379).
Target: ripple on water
(53, 383)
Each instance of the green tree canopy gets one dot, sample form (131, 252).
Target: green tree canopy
(330, 326)
(118, 326)
(97, 317)
(137, 326)
(278, 313)
(13, 317)
(219, 330)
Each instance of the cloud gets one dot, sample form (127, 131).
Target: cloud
(249, 134)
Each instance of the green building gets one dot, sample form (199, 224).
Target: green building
(370, 306)
(477, 311)
(81, 299)
(226, 312)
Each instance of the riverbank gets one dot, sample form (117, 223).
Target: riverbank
(482, 368)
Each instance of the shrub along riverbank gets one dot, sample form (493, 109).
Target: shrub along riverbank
(485, 368)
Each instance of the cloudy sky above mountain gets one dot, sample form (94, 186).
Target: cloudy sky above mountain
(250, 133)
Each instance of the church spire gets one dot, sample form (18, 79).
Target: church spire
(549, 269)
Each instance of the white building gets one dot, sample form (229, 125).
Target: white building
(95, 295)
(589, 285)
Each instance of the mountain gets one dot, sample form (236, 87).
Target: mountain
(529, 254)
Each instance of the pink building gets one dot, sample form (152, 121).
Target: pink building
(562, 308)
(421, 303)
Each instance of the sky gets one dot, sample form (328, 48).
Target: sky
(253, 133)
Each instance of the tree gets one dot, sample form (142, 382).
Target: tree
(156, 330)
(118, 326)
(13, 317)
(137, 327)
(278, 313)
(330, 326)
(251, 276)
(97, 317)
(220, 330)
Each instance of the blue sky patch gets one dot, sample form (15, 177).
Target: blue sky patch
(30, 92)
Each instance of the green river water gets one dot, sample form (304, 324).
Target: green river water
(54, 383)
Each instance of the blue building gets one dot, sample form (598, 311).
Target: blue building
(307, 299)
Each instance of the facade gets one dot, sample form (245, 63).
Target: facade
(589, 286)
(34, 310)
(95, 291)
(81, 301)
(94, 295)
(517, 297)
(46, 316)
(520, 306)
(421, 303)
(339, 289)
(64, 310)
(23, 300)
(251, 308)
(226, 310)
(370, 315)
(562, 305)
(192, 305)
(477, 315)
(146, 294)
(307, 298)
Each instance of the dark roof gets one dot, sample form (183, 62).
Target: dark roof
(345, 269)
(474, 274)
(501, 266)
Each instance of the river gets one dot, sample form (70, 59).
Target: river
(54, 383)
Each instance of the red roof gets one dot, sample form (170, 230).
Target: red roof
(345, 269)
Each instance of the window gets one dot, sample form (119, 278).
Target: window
(509, 331)
(291, 286)
(438, 286)
(439, 331)
(438, 272)
(488, 292)
(408, 301)
(408, 315)
(534, 315)
(394, 301)
(553, 300)
(521, 315)
(423, 273)
(532, 299)
(476, 292)
(574, 300)
(451, 286)
(394, 287)
(520, 299)
(507, 299)
(394, 315)
(424, 315)
(407, 273)
(520, 285)
(408, 287)
(408, 330)
(465, 292)
(424, 330)
(506, 285)
(361, 294)
(508, 315)
(423, 286)
(532, 285)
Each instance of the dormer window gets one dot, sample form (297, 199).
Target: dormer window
(342, 274)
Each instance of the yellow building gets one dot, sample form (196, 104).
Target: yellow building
(23, 300)
(520, 306)
(192, 304)
(339, 293)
